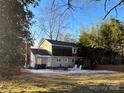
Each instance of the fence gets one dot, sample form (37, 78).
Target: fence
(119, 68)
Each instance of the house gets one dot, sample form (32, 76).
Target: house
(53, 53)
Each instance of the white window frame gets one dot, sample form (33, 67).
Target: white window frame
(66, 59)
(39, 61)
(58, 59)
(74, 50)
(73, 60)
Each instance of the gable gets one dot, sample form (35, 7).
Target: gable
(44, 43)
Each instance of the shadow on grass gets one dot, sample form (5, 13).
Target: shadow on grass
(59, 83)
(83, 89)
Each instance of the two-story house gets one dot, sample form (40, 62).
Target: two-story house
(54, 53)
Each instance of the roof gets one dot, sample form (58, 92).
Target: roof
(39, 51)
(55, 42)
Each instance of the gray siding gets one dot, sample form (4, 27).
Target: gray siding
(63, 62)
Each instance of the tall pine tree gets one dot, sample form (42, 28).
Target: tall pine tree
(15, 21)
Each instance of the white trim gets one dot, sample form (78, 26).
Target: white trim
(57, 56)
(65, 46)
(66, 59)
(61, 45)
(67, 56)
(42, 56)
(34, 47)
(74, 50)
(59, 59)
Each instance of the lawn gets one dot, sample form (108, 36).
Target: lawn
(64, 83)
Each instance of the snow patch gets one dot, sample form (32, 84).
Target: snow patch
(68, 71)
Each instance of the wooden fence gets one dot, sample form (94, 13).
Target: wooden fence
(119, 68)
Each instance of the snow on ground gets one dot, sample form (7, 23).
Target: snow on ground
(68, 71)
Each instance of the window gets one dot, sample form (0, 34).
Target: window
(58, 59)
(72, 60)
(74, 50)
(39, 61)
(66, 59)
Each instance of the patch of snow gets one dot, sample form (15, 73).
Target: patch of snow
(93, 71)
(68, 71)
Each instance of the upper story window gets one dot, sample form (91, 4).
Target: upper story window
(74, 50)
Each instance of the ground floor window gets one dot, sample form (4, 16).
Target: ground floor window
(58, 59)
(39, 61)
(66, 59)
(72, 60)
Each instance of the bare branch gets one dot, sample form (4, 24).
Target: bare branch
(113, 8)
(70, 6)
(105, 5)
(116, 11)
(52, 6)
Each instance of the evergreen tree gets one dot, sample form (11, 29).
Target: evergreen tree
(110, 35)
(15, 19)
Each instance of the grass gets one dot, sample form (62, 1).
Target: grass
(64, 83)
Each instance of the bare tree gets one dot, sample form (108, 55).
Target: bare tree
(120, 3)
(53, 22)
(69, 4)
(67, 37)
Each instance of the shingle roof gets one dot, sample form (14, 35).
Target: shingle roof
(61, 42)
(39, 51)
